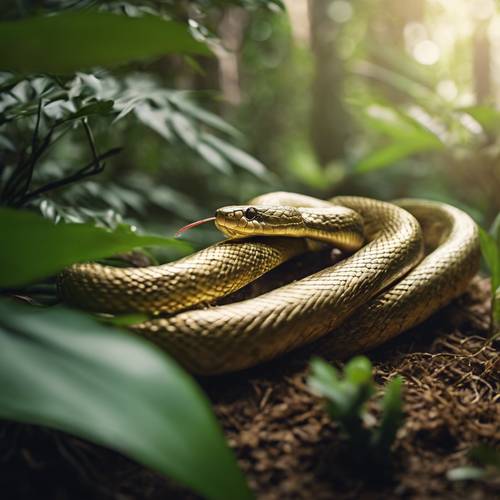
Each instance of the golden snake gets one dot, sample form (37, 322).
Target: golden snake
(379, 291)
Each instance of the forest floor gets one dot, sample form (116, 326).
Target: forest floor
(285, 442)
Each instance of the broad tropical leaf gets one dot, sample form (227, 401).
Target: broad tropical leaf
(61, 369)
(399, 150)
(73, 41)
(33, 247)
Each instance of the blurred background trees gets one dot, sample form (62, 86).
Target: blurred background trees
(395, 100)
(384, 99)
(224, 100)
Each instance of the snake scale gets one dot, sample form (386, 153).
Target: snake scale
(406, 260)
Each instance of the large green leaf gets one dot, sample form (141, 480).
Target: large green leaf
(487, 116)
(398, 150)
(33, 247)
(73, 41)
(61, 369)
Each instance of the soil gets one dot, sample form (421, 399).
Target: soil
(285, 442)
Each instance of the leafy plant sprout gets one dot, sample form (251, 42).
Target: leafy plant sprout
(346, 395)
(490, 247)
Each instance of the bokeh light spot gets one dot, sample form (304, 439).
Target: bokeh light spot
(426, 52)
(414, 33)
(447, 89)
(340, 11)
(482, 9)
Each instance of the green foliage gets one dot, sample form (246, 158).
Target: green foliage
(273, 114)
(110, 40)
(58, 128)
(236, 155)
(106, 151)
(490, 247)
(488, 460)
(35, 248)
(487, 116)
(346, 397)
(426, 126)
(407, 137)
(392, 416)
(61, 369)
(55, 112)
(453, 154)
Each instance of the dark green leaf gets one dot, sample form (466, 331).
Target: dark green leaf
(491, 255)
(61, 369)
(237, 156)
(496, 313)
(392, 414)
(184, 128)
(205, 117)
(495, 229)
(72, 41)
(173, 200)
(6, 143)
(33, 247)
(490, 249)
(495, 282)
(94, 108)
(213, 157)
(10, 82)
(155, 119)
(486, 455)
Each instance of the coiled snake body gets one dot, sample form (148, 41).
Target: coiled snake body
(418, 255)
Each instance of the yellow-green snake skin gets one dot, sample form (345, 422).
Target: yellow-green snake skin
(417, 256)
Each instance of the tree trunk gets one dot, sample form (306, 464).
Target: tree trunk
(481, 61)
(329, 118)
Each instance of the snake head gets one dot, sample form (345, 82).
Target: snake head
(244, 220)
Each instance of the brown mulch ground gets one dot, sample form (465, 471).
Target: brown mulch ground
(286, 444)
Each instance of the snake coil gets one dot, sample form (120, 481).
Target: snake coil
(418, 255)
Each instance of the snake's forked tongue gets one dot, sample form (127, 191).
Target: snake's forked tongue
(193, 224)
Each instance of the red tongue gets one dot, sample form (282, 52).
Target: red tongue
(193, 224)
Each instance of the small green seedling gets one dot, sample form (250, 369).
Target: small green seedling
(488, 460)
(346, 396)
(490, 247)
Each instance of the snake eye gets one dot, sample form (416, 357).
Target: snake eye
(250, 213)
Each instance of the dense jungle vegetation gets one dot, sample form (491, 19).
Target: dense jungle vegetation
(121, 121)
